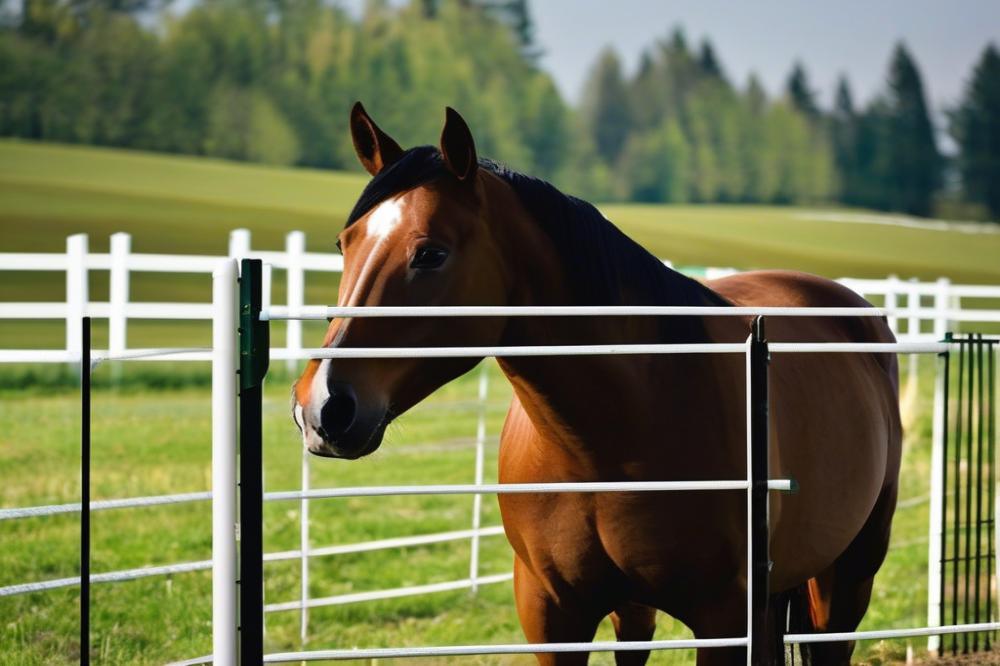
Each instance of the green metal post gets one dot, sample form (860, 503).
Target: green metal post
(254, 359)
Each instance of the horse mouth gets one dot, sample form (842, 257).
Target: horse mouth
(331, 450)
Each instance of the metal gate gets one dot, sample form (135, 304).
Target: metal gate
(968, 527)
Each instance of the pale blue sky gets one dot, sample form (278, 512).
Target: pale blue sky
(766, 36)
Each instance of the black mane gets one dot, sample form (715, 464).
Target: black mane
(605, 266)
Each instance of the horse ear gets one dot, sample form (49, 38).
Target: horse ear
(457, 146)
(376, 150)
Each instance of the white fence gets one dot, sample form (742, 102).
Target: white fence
(919, 312)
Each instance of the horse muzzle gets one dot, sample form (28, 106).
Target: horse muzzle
(341, 427)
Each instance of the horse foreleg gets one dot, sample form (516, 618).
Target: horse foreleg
(723, 615)
(545, 620)
(633, 622)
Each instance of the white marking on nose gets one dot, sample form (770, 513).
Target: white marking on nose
(320, 391)
(384, 219)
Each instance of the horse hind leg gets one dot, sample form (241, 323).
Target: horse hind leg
(838, 597)
(633, 622)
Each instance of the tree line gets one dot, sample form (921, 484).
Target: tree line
(272, 80)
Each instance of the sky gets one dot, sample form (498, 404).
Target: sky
(854, 37)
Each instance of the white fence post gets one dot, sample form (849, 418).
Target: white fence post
(224, 464)
(239, 244)
(913, 308)
(266, 276)
(913, 327)
(121, 246)
(76, 291)
(295, 248)
(477, 500)
(891, 303)
(937, 499)
(304, 550)
(941, 323)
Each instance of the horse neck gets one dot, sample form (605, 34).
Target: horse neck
(568, 398)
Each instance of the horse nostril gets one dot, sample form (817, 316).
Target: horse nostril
(338, 413)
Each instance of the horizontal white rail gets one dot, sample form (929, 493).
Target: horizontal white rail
(890, 633)
(204, 565)
(597, 350)
(103, 505)
(394, 593)
(384, 544)
(516, 648)
(282, 353)
(278, 313)
(109, 577)
(785, 485)
(38, 356)
(855, 347)
(103, 310)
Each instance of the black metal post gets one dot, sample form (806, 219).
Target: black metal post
(957, 514)
(759, 446)
(85, 492)
(254, 357)
(980, 406)
(969, 461)
(946, 369)
(990, 464)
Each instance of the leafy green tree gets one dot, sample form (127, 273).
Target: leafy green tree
(654, 165)
(975, 125)
(605, 107)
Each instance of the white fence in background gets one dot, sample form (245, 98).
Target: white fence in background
(922, 311)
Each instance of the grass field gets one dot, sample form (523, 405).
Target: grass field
(152, 441)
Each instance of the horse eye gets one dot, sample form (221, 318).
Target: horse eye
(429, 257)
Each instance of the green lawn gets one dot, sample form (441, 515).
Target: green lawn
(149, 441)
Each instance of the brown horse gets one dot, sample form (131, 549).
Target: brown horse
(442, 227)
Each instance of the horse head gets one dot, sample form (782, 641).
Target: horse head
(419, 235)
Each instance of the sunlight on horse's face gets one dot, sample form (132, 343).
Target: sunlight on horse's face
(427, 246)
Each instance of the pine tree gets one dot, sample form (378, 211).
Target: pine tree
(516, 15)
(605, 107)
(844, 135)
(908, 161)
(708, 61)
(975, 125)
(800, 93)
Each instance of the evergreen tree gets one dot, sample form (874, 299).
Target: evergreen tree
(516, 15)
(975, 125)
(708, 61)
(908, 162)
(844, 135)
(800, 93)
(605, 107)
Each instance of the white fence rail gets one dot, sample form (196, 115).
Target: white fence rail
(918, 311)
